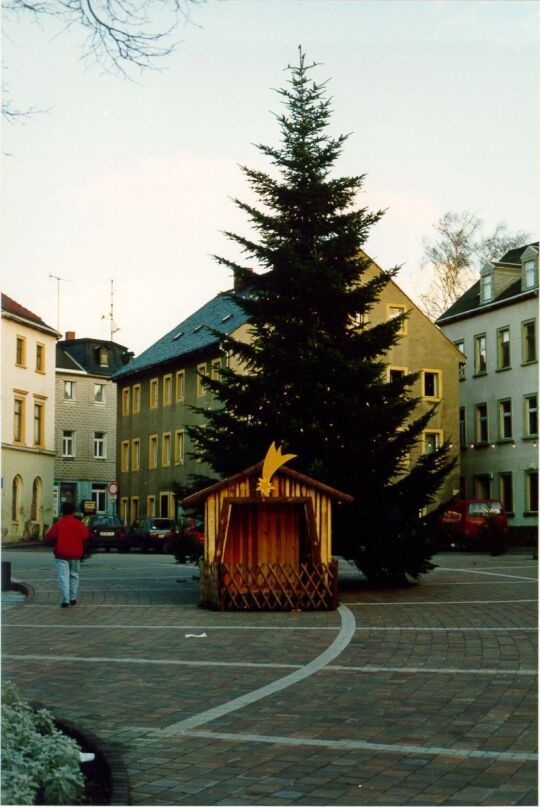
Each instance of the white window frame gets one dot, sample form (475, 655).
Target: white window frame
(100, 443)
(68, 440)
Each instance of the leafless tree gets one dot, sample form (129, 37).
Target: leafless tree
(120, 34)
(454, 257)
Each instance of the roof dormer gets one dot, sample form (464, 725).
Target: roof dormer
(486, 283)
(529, 268)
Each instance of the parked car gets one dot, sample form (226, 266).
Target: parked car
(476, 523)
(105, 532)
(151, 533)
(188, 544)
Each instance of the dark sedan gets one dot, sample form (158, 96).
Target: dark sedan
(151, 533)
(106, 532)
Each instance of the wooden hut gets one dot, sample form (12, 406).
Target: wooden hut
(268, 551)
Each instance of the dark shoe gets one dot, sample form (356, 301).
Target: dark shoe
(73, 602)
(64, 604)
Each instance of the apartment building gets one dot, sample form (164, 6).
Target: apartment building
(494, 325)
(28, 412)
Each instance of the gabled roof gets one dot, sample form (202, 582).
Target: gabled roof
(11, 307)
(469, 302)
(191, 335)
(253, 470)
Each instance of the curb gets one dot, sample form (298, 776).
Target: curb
(22, 587)
(119, 779)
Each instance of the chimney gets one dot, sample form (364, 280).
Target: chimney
(243, 277)
(70, 335)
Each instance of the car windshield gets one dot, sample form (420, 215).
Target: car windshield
(161, 525)
(483, 509)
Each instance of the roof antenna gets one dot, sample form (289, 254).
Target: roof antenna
(58, 279)
(112, 325)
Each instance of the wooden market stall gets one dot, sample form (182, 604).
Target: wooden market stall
(268, 545)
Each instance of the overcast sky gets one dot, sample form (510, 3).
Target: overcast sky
(133, 180)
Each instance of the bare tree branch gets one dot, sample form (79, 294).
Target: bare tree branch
(455, 256)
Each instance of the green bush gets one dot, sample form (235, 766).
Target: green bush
(37, 759)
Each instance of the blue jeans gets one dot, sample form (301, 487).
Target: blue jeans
(68, 578)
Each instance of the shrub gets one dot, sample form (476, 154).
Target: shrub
(37, 759)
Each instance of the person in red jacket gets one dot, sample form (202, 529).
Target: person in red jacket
(68, 536)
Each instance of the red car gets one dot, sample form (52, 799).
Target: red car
(468, 520)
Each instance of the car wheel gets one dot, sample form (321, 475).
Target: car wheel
(107, 549)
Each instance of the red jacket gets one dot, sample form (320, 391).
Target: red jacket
(69, 534)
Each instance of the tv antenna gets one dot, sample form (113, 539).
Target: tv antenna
(58, 279)
(112, 325)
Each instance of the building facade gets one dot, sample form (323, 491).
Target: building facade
(28, 412)
(157, 390)
(494, 324)
(85, 463)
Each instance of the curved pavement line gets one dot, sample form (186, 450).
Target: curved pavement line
(340, 642)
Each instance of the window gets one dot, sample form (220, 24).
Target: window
(40, 358)
(531, 416)
(480, 354)
(100, 445)
(166, 504)
(153, 394)
(39, 424)
(124, 509)
(16, 491)
(69, 390)
(432, 441)
(503, 348)
(20, 351)
(19, 414)
(431, 384)
(528, 341)
(215, 370)
(201, 372)
(396, 310)
(180, 385)
(529, 274)
(135, 455)
(125, 401)
(531, 492)
(487, 287)
(395, 374)
(481, 424)
(505, 419)
(506, 495)
(99, 497)
(152, 452)
(99, 393)
(179, 445)
(37, 500)
(136, 398)
(68, 444)
(151, 506)
(462, 427)
(167, 389)
(124, 456)
(166, 449)
(133, 509)
(482, 487)
(460, 345)
(359, 319)
(104, 356)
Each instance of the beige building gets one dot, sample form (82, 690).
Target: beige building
(424, 349)
(28, 405)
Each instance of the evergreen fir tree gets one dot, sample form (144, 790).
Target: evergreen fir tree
(313, 377)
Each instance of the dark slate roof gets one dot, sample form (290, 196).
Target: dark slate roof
(470, 300)
(64, 361)
(513, 256)
(84, 353)
(14, 308)
(191, 335)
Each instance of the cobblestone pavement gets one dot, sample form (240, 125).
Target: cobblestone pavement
(418, 696)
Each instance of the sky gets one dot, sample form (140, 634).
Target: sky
(132, 180)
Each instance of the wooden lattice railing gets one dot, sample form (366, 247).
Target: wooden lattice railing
(269, 586)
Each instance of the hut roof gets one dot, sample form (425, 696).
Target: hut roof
(283, 470)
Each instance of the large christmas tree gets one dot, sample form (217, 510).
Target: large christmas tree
(313, 377)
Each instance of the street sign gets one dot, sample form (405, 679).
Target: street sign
(113, 489)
